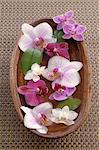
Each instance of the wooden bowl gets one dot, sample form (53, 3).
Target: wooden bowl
(77, 52)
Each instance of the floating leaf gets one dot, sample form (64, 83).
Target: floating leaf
(58, 35)
(72, 103)
(29, 57)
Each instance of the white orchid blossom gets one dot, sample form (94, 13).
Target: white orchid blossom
(34, 73)
(62, 71)
(63, 115)
(36, 37)
(37, 118)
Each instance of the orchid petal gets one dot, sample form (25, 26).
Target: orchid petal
(30, 122)
(28, 30)
(69, 14)
(51, 97)
(25, 43)
(70, 91)
(67, 36)
(30, 84)
(46, 75)
(59, 26)
(29, 75)
(65, 109)
(80, 29)
(32, 99)
(36, 78)
(67, 122)
(35, 85)
(56, 112)
(42, 108)
(43, 130)
(59, 97)
(43, 30)
(24, 90)
(58, 62)
(72, 115)
(71, 21)
(68, 28)
(78, 37)
(35, 67)
(51, 39)
(74, 65)
(42, 70)
(57, 19)
(26, 109)
(64, 53)
(70, 79)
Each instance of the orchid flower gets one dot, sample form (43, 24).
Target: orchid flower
(74, 31)
(34, 92)
(63, 115)
(34, 73)
(62, 71)
(64, 19)
(36, 37)
(61, 92)
(38, 117)
(56, 66)
(60, 49)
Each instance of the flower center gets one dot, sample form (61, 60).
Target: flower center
(55, 50)
(43, 119)
(55, 73)
(59, 88)
(40, 42)
(41, 91)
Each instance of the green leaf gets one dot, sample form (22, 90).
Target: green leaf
(72, 103)
(55, 33)
(37, 56)
(29, 57)
(58, 35)
(60, 40)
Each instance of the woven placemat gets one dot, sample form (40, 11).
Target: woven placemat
(13, 135)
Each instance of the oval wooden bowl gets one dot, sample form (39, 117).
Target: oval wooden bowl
(77, 52)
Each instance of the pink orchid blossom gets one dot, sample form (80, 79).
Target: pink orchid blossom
(56, 67)
(61, 92)
(34, 92)
(36, 37)
(60, 49)
(62, 71)
(38, 117)
(74, 31)
(64, 19)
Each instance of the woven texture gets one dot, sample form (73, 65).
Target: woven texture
(13, 135)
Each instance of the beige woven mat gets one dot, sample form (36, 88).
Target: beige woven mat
(13, 135)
